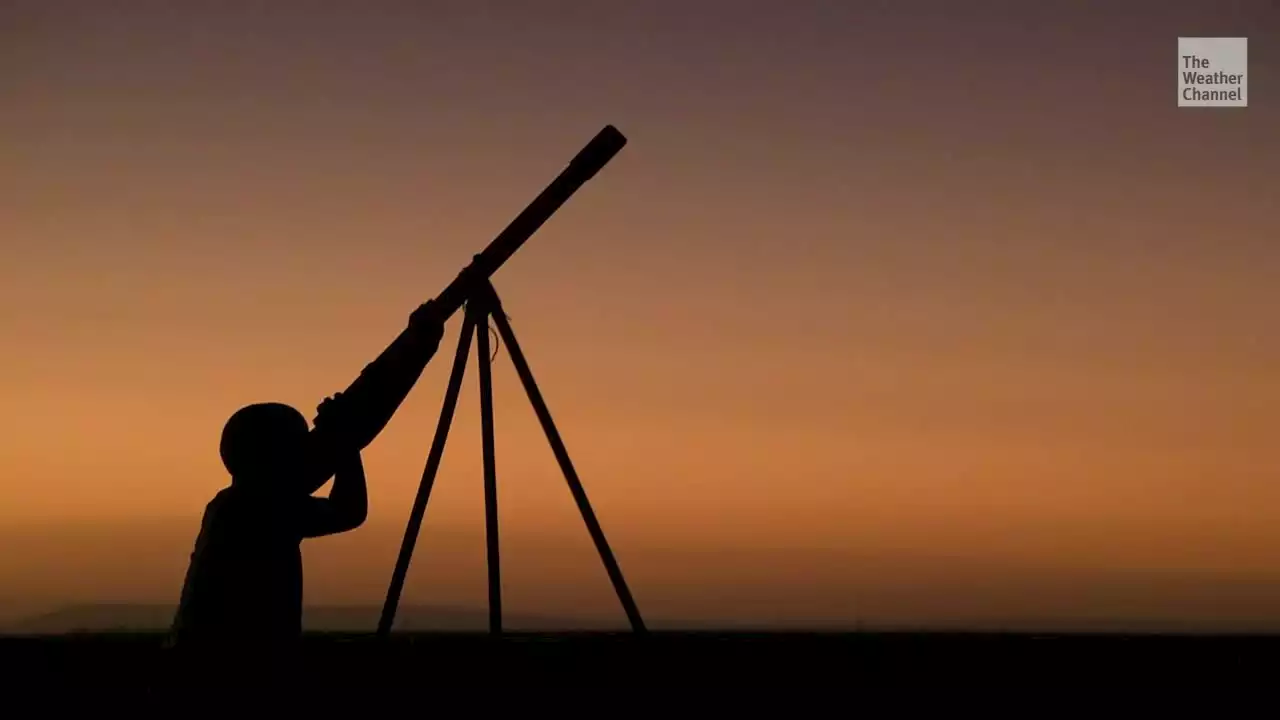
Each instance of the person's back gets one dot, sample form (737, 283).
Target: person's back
(244, 583)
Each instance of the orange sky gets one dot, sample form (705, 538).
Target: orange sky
(959, 293)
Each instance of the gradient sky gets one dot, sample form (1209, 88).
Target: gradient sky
(886, 304)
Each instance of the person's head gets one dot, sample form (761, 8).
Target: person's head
(263, 445)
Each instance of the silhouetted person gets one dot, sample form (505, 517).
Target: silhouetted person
(244, 584)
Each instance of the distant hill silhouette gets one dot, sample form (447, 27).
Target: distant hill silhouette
(148, 618)
(71, 565)
(129, 617)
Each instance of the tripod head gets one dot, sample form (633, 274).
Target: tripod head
(589, 160)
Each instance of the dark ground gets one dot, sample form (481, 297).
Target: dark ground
(138, 667)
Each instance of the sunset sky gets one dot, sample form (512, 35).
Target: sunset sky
(894, 311)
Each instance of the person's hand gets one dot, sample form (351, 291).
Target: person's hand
(329, 409)
(428, 322)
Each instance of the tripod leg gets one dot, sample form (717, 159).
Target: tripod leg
(428, 478)
(483, 357)
(566, 465)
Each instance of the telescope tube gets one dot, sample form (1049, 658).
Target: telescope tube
(594, 156)
(370, 401)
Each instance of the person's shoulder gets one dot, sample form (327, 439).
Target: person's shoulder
(224, 497)
(222, 504)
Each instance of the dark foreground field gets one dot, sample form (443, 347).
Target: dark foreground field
(335, 664)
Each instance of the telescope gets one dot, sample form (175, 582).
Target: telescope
(383, 384)
(473, 290)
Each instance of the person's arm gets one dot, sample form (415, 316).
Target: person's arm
(370, 402)
(347, 505)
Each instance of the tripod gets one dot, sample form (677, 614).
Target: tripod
(482, 303)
